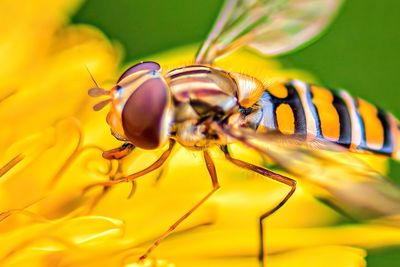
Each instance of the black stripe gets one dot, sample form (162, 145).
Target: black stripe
(388, 141)
(294, 101)
(314, 110)
(361, 122)
(344, 119)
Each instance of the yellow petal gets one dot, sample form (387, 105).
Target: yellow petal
(27, 36)
(328, 256)
(61, 79)
(366, 236)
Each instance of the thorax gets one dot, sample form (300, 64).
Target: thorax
(202, 94)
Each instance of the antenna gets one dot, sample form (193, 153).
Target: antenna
(91, 76)
(96, 92)
(101, 104)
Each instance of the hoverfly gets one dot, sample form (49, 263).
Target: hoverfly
(306, 130)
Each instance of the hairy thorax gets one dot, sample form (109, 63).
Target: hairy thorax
(202, 95)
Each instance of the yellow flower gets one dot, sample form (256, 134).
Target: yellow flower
(51, 149)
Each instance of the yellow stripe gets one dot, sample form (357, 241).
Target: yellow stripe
(278, 89)
(374, 132)
(328, 115)
(285, 119)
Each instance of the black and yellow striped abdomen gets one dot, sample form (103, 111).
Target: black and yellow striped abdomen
(302, 109)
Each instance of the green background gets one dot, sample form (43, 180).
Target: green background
(360, 52)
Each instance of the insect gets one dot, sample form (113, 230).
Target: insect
(308, 131)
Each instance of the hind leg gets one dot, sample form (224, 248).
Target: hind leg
(269, 174)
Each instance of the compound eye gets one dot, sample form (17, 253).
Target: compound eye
(147, 65)
(144, 117)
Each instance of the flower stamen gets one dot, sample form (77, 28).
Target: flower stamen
(11, 164)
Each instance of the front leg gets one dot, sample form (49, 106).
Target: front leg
(130, 178)
(117, 154)
(120, 152)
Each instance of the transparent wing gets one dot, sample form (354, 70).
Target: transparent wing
(351, 184)
(273, 27)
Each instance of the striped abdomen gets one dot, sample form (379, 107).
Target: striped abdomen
(303, 109)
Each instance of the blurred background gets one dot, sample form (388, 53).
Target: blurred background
(360, 52)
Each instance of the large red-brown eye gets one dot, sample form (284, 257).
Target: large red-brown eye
(144, 114)
(147, 65)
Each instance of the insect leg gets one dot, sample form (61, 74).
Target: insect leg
(120, 152)
(160, 175)
(157, 164)
(271, 175)
(117, 154)
(214, 179)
